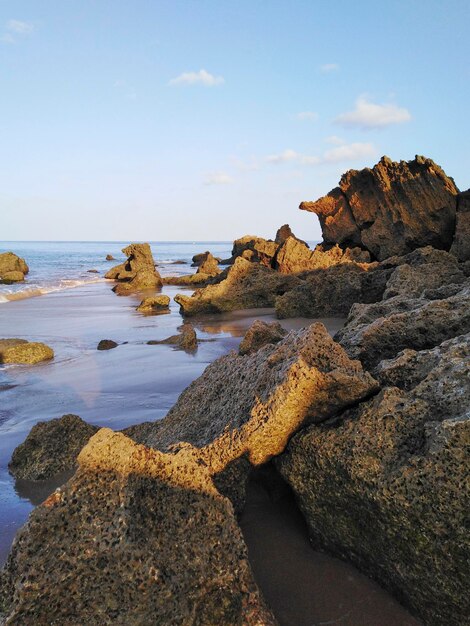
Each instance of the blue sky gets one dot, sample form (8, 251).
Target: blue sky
(212, 119)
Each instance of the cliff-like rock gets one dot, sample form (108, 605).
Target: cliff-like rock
(461, 244)
(138, 273)
(390, 209)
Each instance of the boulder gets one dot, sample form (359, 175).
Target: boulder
(380, 330)
(260, 334)
(106, 344)
(209, 266)
(198, 259)
(185, 340)
(12, 268)
(109, 257)
(295, 256)
(154, 304)
(51, 448)
(385, 485)
(138, 273)
(244, 286)
(390, 209)
(24, 352)
(135, 537)
(243, 409)
(461, 244)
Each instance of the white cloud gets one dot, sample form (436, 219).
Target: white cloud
(20, 28)
(7, 38)
(290, 155)
(368, 115)
(329, 67)
(334, 140)
(349, 152)
(307, 115)
(197, 78)
(218, 178)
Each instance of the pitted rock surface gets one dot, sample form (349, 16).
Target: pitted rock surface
(138, 273)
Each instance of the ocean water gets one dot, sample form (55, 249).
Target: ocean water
(60, 265)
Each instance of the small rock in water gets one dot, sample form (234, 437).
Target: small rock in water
(109, 257)
(154, 304)
(186, 340)
(106, 344)
(24, 352)
(93, 271)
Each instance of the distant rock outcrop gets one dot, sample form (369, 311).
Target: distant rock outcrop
(390, 209)
(12, 268)
(24, 352)
(138, 273)
(51, 448)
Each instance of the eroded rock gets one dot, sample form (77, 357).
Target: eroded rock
(259, 334)
(390, 209)
(295, 256)
(138, 273)
(461, 244)
(24, 352)
(12, 268)
(154, 304)
(51, 448)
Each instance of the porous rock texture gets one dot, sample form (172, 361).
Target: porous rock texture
(135, 537)
(24, 352)
(461, 244)
(51, 448)
(209, 265)
(259, 334)
(244, 409)
(138, 273)
(295, 256)
(390, 209)
(12, 268)
(245, 285)
(385, 485)
(153, 304)
(380, 330)
(255, 249)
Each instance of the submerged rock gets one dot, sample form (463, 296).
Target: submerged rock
(259, 334)
(12, 268)
(51, 448)
(24, 352)
(245, 285)
(154, 304)
(106, 344)
(138, 273)
(135, 537)
(385, 485)
(390, 209)
(185, 340)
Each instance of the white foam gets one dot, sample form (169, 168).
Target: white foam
(41, 290)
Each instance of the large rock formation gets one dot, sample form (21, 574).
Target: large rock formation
(51, 448)
(385, 485)
(295, 256)
(24, 352)
(135, 537)
(138, 273)
(390, 209)
(12, 268)
(245, 285)
(244, 409)
(461, 243)
(255, 249)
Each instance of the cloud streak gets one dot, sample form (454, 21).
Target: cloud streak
(19, 27)
(368, 115)
(327, 68)
(202, 77)
(345, 152)
(218, 178)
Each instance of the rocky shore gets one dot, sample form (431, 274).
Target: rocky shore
(369, 430)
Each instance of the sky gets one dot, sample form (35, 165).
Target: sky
(212, 119)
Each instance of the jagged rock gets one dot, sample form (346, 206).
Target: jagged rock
(106, 344)
(185, 340)
(199, 259)
(259, 334)
(154, 304)
(24, 352)
(257, 249)
(421, 270)
(209, 266)
(109, 257)
(380, 330)
(294, 256)
(138, 273)
(247, 407)
(385, 485)
(12, 268)
(135, 537)
(51, 448)
(245, 286)
(390, 209)
(461, 244)
(283, 233)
